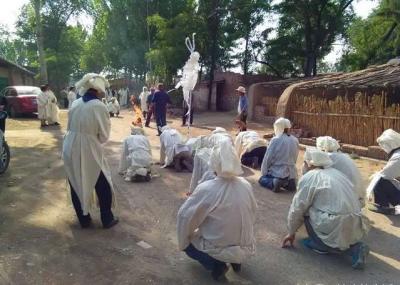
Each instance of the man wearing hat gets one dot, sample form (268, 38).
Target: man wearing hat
(242, 107)
(330, 210)
(83, 152)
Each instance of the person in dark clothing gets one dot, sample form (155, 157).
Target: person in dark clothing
(150, 106)
(186, 115)
(160, 101)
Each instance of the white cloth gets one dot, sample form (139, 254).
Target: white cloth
(389, 140)
(83, 153)
(200, 167)
(136, 154)
(316, 157)
(327, 143)
(391, 172)
(171, 140)
(280, 125)
(327, 197)
(218, 137)
(42, 100)
(346, 165)
(94, 81)
(248, 141)
(281, 157)
(143, 100)
(218, 218)
(52, 108)
(71, 98)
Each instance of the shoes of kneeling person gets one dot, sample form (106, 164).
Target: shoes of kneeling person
(359, 258)
(381, 209)
(237, 267)
(111, 224)
(219, 272)
(56, 123)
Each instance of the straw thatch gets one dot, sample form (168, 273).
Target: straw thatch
(354, 107)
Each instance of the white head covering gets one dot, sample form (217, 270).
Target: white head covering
(280, 125)
(137, 131)
(224, 160)
(144, 88)
(219, 130)
(92, 80)
(166, 127)
(317, 158)
(327, 144)
(389, 140)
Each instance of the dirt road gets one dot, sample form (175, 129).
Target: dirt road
(41, 242)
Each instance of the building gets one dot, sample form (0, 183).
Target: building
(13, 74)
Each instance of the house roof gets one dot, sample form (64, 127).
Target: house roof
(7, 63)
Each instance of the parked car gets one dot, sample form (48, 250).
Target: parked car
(20, 100)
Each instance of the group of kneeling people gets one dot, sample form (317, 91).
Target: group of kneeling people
(216, 223)
(329, 198)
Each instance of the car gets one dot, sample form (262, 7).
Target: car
(20, 100)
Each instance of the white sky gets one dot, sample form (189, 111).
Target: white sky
(9, 11)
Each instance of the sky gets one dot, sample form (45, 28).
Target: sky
(9, 12)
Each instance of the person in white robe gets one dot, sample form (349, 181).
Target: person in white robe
(384, 187)
(329, 208)
(143, 101)
(42, 101)
(201, 167)
(71, 96)
(344, 164)
(52, 109)
(113, 107)
(251, 148)
(136, 158)
(216, 223)
(278, 168)
(174, 152)
(84, 156)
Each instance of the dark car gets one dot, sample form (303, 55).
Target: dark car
(20, 100)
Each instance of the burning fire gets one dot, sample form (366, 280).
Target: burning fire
(137, 116)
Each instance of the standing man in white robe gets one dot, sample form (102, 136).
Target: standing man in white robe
(52, 108)
(216, 223)
(278, 168)
(385, 185)
(136, 159)
(83, 152)
(329, 208)
(71, 96)
(143, 101)
(42, 100)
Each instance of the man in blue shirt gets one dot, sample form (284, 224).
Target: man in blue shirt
(242, 107)
(160, 101)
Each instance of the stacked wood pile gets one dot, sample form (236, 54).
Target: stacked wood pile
(355, 108)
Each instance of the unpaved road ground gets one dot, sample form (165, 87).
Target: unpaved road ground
(41, 242)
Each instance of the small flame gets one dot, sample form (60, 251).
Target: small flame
(137, 116)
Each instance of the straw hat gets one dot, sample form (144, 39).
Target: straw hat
(241, 89)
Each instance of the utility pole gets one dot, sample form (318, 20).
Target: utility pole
(214, 22)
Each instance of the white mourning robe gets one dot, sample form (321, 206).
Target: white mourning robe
(52, 108)
(171, 144)
(248, 141)
(113, 107)
(281, 157)
(391, 172)
(136, 153)
(328, 198)
(218, 219)
(71, 98)
(345, 165)
(42, 100)
(83, 151)
(143, 100)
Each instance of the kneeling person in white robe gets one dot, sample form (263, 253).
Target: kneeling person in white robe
(173, 150)
(330, 210)
(83, 153)
(385, 185)
(278, 168)
(135, 162)
(216, 223)
(343, 163)
(113, 107)
(251, 148)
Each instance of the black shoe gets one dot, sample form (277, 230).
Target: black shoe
(237, 267)
(111, 224)
(381, 210)
(56, 124)
(219, 272)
